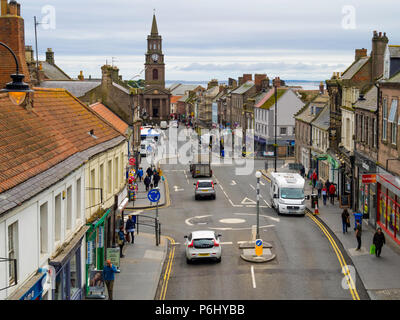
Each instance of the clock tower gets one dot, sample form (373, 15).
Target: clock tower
(154, 64)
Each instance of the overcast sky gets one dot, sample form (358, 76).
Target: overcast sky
(299, 40)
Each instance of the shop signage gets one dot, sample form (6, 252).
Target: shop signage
(89, 252)
(368, 178)
(101, 237)
(35, 292)
(96, 282)
(132, 161)
(113, 255)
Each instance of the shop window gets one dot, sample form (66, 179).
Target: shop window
(57, 220)
(12, 250)
(44, 230)
(58, 288)
(74, 274)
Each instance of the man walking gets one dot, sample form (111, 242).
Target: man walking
(314, 178)
(130, 227)
(324, 192)
(140, 173)
(147, 181)
(358, 234)
(149, 172)
(345, 220)
(379, 241)
(332, 190)
(109, 271)
(319, 186)
(156, 179)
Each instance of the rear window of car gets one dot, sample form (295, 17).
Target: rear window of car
(205, 185)
(203, 243)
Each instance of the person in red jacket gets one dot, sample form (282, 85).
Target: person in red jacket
(314, 178)
(332, 190)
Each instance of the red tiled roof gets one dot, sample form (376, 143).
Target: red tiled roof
(56, 128)
(110, 116)
(174, 99)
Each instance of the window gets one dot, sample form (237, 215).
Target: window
(283, 130)
(101, 177)
(374, 133)
(384, 119)
(44, 228)
(12, 250)
(392, 120)
(362, 127)
(121, 171)
(78, 199)
(57, 220)
(92, 186)
(116, 173)
(155, 74)
(109, 177)
(69, 208)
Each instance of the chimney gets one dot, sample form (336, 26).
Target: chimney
(258, 79)
(277, 82)
(114, 74)
(29, 54)
(379, 43)
(321, 88)
(213, 83)
(265, 84)
(232, 83)
(247, 77)
(81, 77)
(50, 56)
(360, 53)
(240, 81)
(13, 35)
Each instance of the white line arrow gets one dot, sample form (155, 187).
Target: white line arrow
(248, 201)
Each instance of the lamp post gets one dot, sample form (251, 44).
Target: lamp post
(258, 176)
(17, 89)
(277, 82)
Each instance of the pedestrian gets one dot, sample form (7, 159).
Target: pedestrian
(378, 241)
(345, 220)
(302, 171)
(156, 179)
(140, 174)
(109, 271)
(324, 193)
(121, 240)
(327, 184)
(149, 172)
(130, 228)
(147, 181)
(319, 186)
(358, 234)
(332, 190)
(314, 178)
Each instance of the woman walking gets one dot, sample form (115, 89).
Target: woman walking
(324, 193)
(345, 220)
(121, 240)
(378, 241)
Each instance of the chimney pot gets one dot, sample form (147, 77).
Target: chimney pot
(4, 7)
(13, 8)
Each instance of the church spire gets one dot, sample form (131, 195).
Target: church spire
(154, 29)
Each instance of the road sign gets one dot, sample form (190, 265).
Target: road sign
(154, 195)
(259, 247)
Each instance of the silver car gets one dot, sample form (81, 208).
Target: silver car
(203, 245)
(204, 188)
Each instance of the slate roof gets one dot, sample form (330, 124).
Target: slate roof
(271, 99)
(263, 97)
(53, 72)
(244, 87)
(110, 116)
(394, 51)
(370, 100)
(76, 87)
(354, 68)
(319, 101)
(180, 89)
(322, 120)
(56, 128)
(393, 79)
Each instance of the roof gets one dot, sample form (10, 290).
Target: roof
(244, 87)
(393, 79)
(394, 51)
(154, 29)
(174, 99)
(370, 101)
(271, 99)
(180, 89)
(57, 127)
(123, 89)
(203, 233)
(262, 98)
(76, 87)
(322, 120)
(110, 116)
(354, 67)
(288, 180)
(319, 101)
(52, 72)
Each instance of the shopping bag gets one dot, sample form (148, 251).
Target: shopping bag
(372, 249)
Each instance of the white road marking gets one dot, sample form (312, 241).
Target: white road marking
(253, 277)
(267, 204)
(226, 243)
(248, 201)
(177, 189)
(262, 183)
(233, 183)
(198, 217)
(261, 215)
(252, 187)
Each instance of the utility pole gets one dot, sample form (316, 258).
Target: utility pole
(258, 176)
(276, 85)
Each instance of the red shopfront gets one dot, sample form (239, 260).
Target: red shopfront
(388, 209)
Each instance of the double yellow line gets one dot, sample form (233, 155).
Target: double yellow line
(340, 257)
(167, 269)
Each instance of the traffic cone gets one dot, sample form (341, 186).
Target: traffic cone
(316, 211)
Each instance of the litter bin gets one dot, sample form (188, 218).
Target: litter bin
(314, 200)
(357, 217)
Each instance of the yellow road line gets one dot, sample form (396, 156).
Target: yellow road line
(167, 270)
(340, 257)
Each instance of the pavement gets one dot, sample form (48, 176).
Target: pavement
(379, 275)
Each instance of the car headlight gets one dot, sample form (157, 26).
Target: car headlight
(303, 202)
(281, 201)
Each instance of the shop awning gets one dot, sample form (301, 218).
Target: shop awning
(31, 290)
(393, 110)
(62, 257)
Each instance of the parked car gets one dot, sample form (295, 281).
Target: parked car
(203, 245)
(204, 188)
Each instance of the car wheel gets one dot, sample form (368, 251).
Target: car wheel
(214, 197)
(219, 260)
(188, 261)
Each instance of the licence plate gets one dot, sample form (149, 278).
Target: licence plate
(204, 254)
(204, 190)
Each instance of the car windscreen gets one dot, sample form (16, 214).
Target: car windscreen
(203, 243)
(292, 193)
(205, 185)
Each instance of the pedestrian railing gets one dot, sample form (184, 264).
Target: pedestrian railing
(152, 222)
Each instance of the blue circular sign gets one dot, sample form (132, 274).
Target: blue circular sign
(258, 243)
(154, 195)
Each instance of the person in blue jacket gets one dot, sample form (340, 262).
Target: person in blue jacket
(130, 228)
(121, 240)
(109, 276)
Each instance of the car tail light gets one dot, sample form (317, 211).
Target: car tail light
(197, 185)
(212, 183)
(216, 244)
(190, 245)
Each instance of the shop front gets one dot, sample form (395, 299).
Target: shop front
(388, 213)
(67, 268)
(259, 144)
(32, 289)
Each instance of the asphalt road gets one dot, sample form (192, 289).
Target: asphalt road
(306, 267)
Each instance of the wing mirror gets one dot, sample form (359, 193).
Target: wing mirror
(275, 196)
(185, 237)
(308, 197)
(219, 235)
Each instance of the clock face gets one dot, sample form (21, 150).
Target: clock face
(154, 56)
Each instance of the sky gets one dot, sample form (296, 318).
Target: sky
(210, 39)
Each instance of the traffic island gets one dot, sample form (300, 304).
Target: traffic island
(249, 252)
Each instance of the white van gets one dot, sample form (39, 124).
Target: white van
(287, 193)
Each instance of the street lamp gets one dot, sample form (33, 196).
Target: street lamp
(258, 176)
(277, 83)
(17, 89)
